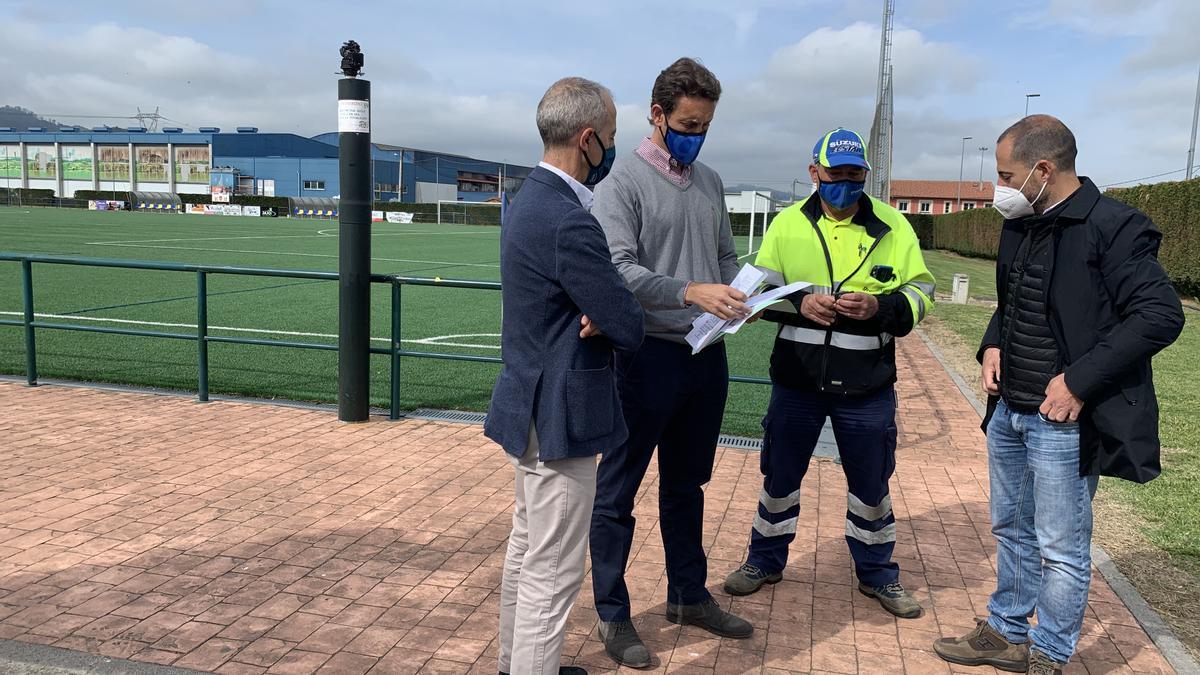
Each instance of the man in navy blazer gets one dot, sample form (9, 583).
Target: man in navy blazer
(555, 405)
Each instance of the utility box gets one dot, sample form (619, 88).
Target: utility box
(958, 289)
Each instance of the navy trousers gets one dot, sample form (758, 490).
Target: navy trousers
(865, 429)
(674, 401)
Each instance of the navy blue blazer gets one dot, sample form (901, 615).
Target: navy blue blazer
(556, 267)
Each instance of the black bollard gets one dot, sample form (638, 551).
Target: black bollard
(354, 238)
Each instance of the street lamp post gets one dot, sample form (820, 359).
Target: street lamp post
(1027, 97)
(1192, 147)
(958, 187)
(794, 181)
(982, 149)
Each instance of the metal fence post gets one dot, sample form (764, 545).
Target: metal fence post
(202, 333)
(395, 356)
(31, 374)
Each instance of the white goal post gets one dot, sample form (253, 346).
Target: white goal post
(760, 204)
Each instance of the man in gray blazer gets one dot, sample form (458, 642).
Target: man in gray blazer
(555, 404)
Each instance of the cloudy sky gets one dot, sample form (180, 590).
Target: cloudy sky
(465, 77)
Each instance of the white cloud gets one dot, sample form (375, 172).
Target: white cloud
(844, 62)
(765, 128)
(108, 69)
(480, 101)
(1174, 44)
(1105, 18)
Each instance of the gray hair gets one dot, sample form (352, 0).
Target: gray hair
(569, 106)
(1039, 137)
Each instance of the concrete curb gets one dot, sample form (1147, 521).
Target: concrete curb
(1160, 633)
(25, 658)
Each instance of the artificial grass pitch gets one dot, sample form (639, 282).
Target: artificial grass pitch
(447, 320)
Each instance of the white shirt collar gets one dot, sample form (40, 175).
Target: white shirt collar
(581, 190)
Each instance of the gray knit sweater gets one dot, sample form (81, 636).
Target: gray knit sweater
(663, 236)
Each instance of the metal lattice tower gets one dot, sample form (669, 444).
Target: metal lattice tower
(879, 145)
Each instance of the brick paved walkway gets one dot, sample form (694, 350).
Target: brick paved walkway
(245, 538)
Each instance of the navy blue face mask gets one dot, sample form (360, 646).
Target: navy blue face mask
(597, 172)
(684, 147)
(841, 194)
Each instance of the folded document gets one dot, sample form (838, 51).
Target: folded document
(707, 328)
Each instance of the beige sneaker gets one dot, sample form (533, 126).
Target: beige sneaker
(984, 646)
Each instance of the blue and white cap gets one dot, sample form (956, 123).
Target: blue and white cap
(841, 147)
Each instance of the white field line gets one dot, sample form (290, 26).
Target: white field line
(304, 255)
(438, 340)
(321, 234)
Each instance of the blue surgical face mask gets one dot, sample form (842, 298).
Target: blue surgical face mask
(597, 172)
(684, 147)
(841, 194)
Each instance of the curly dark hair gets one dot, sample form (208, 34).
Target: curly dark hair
(685, 77)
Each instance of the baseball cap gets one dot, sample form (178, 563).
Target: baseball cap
(841, 147)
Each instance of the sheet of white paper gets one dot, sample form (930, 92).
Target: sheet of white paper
(707, 327)
(761, 301)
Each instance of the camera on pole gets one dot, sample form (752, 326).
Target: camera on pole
(352, 58)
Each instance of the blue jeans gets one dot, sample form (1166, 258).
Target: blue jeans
(1042, 520)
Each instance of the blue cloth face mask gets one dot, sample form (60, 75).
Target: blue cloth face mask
(597, 172)
(684, 147)
(841, 194)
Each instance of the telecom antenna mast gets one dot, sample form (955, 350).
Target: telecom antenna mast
(879, 145)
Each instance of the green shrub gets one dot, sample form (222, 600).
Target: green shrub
(922, 224)
(974, 233)
(1175, 209)
(117, 195)
(26, 195)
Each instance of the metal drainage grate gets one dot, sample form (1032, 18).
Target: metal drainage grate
(447, 416)
(739, 442)
(826, 447)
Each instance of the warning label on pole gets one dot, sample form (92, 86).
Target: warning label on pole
(354, 117)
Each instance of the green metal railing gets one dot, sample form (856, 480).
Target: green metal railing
(201, 337)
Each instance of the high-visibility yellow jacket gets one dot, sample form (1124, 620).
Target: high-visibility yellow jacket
(876, 252)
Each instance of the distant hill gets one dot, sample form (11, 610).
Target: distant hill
(21, 119)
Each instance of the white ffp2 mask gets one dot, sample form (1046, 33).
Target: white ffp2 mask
(1012, 203)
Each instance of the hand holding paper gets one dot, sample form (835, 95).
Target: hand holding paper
(708, 327)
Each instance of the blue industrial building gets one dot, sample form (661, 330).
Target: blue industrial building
(205, 161)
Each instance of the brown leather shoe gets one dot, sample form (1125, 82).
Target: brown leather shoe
(984, 646)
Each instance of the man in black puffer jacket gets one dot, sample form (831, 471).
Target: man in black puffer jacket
(1084, 305)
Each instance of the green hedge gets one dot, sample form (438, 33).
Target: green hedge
(1174, 207)
(974, 233)
(26, 194)
(922, 224)
(117, 195)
